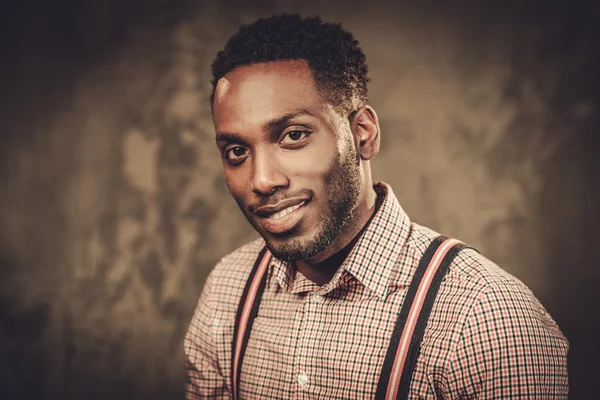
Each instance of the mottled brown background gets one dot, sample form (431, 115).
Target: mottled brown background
(113, 208)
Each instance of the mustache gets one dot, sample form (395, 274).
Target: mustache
(280, 196)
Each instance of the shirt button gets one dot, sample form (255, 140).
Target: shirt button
(318, 298)
(302, 379)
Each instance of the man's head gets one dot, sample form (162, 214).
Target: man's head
(289, 107)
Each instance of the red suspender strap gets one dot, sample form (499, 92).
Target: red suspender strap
(247, 310)
(396, 374)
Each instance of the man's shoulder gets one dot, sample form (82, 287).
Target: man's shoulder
(474, 276)
(469, 268)
(229, 276)
(474, 284)
(238, 263)
(486, 319)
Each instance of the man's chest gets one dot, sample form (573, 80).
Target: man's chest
(309, 346)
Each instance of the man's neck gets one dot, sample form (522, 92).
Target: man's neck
(321, 272)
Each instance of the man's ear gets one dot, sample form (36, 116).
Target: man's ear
(365, 129)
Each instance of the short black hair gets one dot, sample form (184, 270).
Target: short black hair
(337, 62)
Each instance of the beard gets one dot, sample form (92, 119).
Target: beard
(342, 183)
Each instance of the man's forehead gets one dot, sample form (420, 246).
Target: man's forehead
(254, 94)
(265, 76)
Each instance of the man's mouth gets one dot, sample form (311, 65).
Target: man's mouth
(282, 217)
(285, 212)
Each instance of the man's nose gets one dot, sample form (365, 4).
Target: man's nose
(267, 175)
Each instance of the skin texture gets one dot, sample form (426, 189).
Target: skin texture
(282, 140)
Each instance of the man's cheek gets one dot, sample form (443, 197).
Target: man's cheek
(234, 184)
(240, 202)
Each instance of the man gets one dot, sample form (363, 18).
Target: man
(296, 134)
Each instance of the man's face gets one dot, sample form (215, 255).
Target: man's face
(289, 158)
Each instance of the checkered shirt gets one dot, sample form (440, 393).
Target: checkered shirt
(487, 337)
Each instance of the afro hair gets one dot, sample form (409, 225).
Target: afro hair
(337, 62)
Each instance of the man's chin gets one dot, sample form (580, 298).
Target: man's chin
(285, 252)
(296, 249)
(296, 244)
(290, 249)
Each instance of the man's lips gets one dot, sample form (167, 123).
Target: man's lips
(269, 210)
(283, 216)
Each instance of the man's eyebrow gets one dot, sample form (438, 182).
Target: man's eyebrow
(230, 138)
(283, 119)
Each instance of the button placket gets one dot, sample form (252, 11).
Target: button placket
(299, 356)
(310, 304)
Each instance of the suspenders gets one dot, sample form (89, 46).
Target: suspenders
(247, 311)
(403, 349)
(399, 362)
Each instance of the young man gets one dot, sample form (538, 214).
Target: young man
(316, 315)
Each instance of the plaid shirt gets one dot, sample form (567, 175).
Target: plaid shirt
(488, 337)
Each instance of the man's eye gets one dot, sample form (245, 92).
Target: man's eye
(294, 136)
(236, 153)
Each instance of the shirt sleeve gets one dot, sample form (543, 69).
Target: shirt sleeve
(510, 348)
(204, 378)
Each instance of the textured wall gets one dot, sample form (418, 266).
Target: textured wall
(113, 207)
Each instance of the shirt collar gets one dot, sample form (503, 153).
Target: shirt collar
(376, 254)
(374, 257)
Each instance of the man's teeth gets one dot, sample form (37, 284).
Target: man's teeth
(286, 211)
